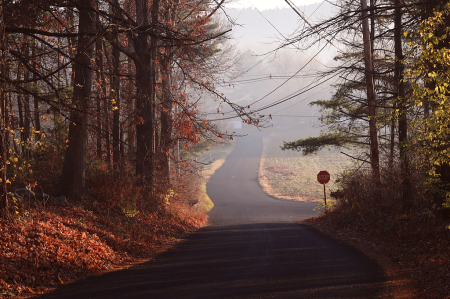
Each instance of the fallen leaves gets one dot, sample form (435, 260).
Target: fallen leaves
(43, 248)
(417, 245)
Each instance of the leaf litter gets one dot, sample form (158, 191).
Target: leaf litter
(43, 248)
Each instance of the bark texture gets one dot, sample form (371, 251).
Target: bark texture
(72, 180)
(371, 101)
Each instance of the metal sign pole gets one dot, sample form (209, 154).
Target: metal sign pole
(324, 177)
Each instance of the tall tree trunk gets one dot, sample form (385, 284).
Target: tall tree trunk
(3, 145)
(401, 105)
(166, 105)
(20, 112)
(143, 90)
(166, 120)
(145, 102)
(36, 113)
(392, 137)
(106, 113)
(131, 138)
(115, 91)
(27, 114)
(372, 111)
(3, 132)
(100, 83)
(72, 179)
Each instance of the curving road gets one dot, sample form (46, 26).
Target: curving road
(252, 249)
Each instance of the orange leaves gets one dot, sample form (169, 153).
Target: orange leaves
(50, 247)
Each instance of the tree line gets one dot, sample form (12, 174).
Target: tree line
(391, 100)
(112, 81)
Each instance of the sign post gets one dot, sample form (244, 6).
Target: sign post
(324, 177)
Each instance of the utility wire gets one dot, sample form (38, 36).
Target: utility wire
(300, 92)
(287, 98)
(304, 99)
(304, 18)
(287, 80)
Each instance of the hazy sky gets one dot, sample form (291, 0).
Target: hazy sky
(270, 4)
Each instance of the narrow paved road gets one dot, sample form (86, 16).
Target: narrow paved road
(252, 249)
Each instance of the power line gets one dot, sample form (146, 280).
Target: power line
(289, 78)
(300, 13)
(267, 77)
(286, 40)
(304, 99)
(281, 115)
(287, 98)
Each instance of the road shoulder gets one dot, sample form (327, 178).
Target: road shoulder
(398, 282)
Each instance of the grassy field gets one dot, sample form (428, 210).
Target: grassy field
(290, 175)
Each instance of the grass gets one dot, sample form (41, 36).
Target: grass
(290, 175)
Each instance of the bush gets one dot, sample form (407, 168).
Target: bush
(358, 190)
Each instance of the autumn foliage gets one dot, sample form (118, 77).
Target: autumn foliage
(97, 98)
(45, 245)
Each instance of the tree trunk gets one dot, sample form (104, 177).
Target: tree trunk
(71, 181)
(166, 105)
(143, 92)
(100, 83)
(106, 113)
(3, 150)
(145, 102)
(166, 120)
(372, 113)
(36, 113)
(3, 132)
(27, 114)
(131, 138)
(401, 104)
(115, 92)
(392, 141)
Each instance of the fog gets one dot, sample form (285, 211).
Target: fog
(280, 83)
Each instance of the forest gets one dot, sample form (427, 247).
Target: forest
(99, 110)
(390, 106)
(390, 102)
(99, 107)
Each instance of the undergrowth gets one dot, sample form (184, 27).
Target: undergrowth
(118, 222)
(371, 215)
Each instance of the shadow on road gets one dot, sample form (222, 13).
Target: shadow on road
(264, 260)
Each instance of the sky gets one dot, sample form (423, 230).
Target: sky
(269, 4)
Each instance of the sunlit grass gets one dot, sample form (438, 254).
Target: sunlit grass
(290, 175)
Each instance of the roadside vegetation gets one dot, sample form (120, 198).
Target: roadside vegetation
(391, 106)
(293, 176)
(100, 127)
(47, 243)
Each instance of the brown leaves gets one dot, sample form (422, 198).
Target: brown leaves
(417, 243)
(42, 249)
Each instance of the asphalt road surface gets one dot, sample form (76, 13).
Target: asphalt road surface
(252, 249)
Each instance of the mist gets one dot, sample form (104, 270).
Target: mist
(279, 83)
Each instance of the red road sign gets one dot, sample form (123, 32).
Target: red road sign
(323, 177)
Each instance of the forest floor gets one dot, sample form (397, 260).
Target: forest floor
(413, 250)
(45, 246)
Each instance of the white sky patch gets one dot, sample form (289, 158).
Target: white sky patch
(269, 4)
